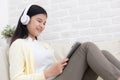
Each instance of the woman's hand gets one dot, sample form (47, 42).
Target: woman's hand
(56, 68)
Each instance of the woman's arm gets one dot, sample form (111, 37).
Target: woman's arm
(56, 69)
(18, 64)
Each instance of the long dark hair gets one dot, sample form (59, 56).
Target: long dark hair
(21, 30)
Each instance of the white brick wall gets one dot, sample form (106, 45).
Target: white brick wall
(83, 20)
(3, 14)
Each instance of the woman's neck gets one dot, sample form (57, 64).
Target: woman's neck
(33, 37)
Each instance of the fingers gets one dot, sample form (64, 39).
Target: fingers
(64, 64)
(64, 60)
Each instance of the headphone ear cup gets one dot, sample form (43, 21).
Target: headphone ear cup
(25, 19)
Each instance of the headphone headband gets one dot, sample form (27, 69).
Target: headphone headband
(25, 18)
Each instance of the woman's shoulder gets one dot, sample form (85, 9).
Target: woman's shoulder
(19, 42)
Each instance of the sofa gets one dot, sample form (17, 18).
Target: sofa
(61, 49)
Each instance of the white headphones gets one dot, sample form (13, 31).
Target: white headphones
(25, 18)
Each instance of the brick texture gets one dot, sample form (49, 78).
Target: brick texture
(75, 20)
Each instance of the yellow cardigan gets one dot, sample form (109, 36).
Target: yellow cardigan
(22, 63)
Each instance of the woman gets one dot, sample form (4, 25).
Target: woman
(31, 59)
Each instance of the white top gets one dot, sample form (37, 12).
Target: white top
(43, 58)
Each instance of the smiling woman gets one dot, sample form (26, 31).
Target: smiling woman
(31, 23)
(31, 59)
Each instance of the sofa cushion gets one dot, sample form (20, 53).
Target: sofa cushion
(112, 46)
(4, 71)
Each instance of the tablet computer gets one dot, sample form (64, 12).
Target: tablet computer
(73, 49)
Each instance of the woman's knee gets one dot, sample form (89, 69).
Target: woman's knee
(88, 44)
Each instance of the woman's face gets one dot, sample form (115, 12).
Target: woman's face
(36, 25)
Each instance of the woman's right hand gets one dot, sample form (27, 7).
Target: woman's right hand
(56, 68)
